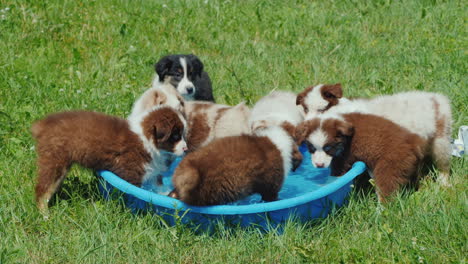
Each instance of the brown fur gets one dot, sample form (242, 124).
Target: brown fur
(198, 132)
(330, 92)
(296, 154)
(229, 169)
(99, 142)
(391, 152)
(209, 121)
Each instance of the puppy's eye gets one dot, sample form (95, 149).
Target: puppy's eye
(306, 109)
(327, 148)
(175, 136)
(180, 70)
(328, 95)
(311, 147)
(334, 150)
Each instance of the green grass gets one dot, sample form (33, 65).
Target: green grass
(99, 55)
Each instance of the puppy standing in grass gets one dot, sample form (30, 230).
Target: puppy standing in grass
(133, 150)
(392, 153)
(426, 114)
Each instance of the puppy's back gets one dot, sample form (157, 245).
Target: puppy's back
(228, 169)
(377, 139)
(77, 132)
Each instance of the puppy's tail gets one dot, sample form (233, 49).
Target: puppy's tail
(186, 179)
(37, 128)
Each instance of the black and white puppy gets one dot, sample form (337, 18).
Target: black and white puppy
(185, 73)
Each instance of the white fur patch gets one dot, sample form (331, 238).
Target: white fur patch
(140, 107)
(318, 139)
(283, 142)
(185, 83)
(413, 110)
(315, 101)
(180, 147)
(274, 109)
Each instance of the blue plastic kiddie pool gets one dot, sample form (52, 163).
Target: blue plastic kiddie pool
(307, 193)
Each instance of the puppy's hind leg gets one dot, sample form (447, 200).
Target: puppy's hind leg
(388, 179)
(51, 174)
(441, 155)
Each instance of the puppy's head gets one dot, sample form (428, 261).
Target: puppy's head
(180, 71)
(165, 128)
(158, 97)
(318, 99)
(325, 138)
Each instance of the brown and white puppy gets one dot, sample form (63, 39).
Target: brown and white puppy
(160, 95)
(392, 153)
(318, 99)
(132, 150)
(426, 114)
(278, 109)
(274, 109)
(231, 168)
(208, 121)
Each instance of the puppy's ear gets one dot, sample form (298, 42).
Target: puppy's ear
(196, 64)
(301, 132)
(301, 97)
(289, 128)
(162, 67)
(162, 132)
(332, 91)
(345, 129)
(296, 158)
(159, 98)
(258, 125)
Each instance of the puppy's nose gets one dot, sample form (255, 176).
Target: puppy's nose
(184, 149)
(189, 90)
(319, 164)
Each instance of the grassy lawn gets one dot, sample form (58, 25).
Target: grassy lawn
(99, 55)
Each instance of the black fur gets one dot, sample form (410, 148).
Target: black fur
(169, 66)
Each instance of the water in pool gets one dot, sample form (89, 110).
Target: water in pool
(305, 179)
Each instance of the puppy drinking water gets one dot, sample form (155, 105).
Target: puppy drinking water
(231, 168)
(133, 150)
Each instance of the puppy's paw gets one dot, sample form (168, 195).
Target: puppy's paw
(173, 194)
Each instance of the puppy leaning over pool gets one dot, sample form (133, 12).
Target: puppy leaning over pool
(231, 168)
(392, 153)
(134, 150)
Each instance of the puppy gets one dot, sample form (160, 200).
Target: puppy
(278, 109)
(392, 153)
(184, 72)
(208, 121)
(426, 114)
(231, 168)
(163, 94)
(274, 109)
(133, 149)
(318, 99)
